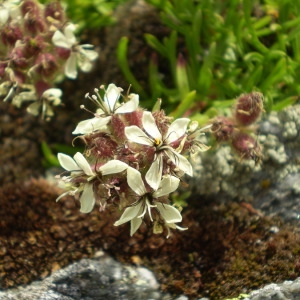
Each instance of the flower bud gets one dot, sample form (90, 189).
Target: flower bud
(10, 34)
(33, 45)
(54, 11)
(33, 23)
(246, 146)
(248, 108)
(18, 59)
(41, 87)
(3, 66)
(222, 128)
(30, 6)
(118, 127)
(46, 64)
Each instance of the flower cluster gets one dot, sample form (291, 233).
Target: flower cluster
(37, 46)
(236, 130)
(133, 160)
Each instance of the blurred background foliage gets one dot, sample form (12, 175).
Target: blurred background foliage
(216, 50)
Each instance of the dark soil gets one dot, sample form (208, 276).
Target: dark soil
(228, 249)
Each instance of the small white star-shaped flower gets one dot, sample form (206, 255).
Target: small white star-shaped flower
(108, 107)
(136, 212)
(154, 138)
(80, 165)
(81, 55)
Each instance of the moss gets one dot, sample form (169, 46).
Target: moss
(228, 249)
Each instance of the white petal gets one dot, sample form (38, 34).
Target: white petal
(84, 64)
(4, 15)
(87, 199)
(169, 213)
(177, 129)
(129, 214)
(111, 96)
(71, 66)
(180, 161)
(67, 162)
(70, 37)
(83, 164)
(129, 106)
(88, 52)
(135, 181)
(135, 225)
(59, 40)
(168, 185)
(150, 125)
(57, 93)
(112, 167)
(153, 175)
(90, 125)
(137, 135)
(34, 108)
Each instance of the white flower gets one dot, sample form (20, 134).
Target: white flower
(154, 138)
(83, 55)
(80, 165)
(108, 107)
(195, 134)
(136, 212)
(9, 8)
(49, 97)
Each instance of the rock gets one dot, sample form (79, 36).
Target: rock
(288, 290)
(274, 185)
(98, 278)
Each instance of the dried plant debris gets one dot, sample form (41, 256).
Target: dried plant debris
(228, 248)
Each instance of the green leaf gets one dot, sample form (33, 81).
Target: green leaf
(185, 105)
(123, 63)
(50, 158)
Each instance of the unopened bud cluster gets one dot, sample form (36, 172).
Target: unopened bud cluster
(133, 160)
(37, 46)
(237, 130)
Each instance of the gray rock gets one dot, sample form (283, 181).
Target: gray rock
(92, 279)
(288, 290)
(274, 185)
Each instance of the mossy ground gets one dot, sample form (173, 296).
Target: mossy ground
(228, 249)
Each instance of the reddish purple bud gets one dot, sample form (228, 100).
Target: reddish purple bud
(33, 46)
(30, 6)
(246, 146)
(18, 59)
(63, 53)
(134, 118)
(33, 23)
(41, 87)
(3, 66)
(46, 64)
(19, 77)
(54, 10)
(222, 128)
(10, 34)
(118, 127)
(101, 145)
(181, 61)
(248, 108)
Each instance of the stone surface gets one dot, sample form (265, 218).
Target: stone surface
(274, 185)
(98, 278)
(288, 290)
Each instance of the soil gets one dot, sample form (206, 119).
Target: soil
(228, 249)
